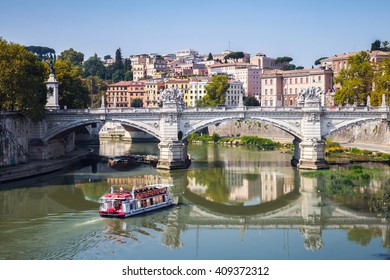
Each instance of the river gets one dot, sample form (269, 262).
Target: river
(232, 203)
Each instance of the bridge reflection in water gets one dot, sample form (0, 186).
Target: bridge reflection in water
(232, 190)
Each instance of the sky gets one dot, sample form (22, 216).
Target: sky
(303, 29)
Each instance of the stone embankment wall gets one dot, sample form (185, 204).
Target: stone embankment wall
(372, 132)
(14, 139)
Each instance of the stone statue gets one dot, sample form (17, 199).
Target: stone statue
(309, 94)
(172, 95)
(51, 61)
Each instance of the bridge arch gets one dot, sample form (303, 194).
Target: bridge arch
(349, 124)
(291, 129)
(68, 127)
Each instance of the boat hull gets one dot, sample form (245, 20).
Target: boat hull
(135, 212)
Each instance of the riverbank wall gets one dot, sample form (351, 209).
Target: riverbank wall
(370, 133)
(40, 167)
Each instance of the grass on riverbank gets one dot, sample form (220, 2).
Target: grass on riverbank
(253, 141)
(335, 154)
(355, 181)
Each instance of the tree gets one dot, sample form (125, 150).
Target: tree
(385, 46)
(44, 53)
(289, 67)
(250, 100)
(94, 66)
(76, 58)
(73, 91)
(136, 102)
(22, 80)
(210, 57)
(376, 45)
(355, 80)
(234, 55)
(381, 82)
(283, 59)
(299, 68)
(215, 91)
(318, 61)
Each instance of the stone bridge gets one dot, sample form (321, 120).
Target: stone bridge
(309, 123)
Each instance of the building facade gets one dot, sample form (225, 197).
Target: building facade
(281, 88)
(120, 95)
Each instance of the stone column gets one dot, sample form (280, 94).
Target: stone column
(52, 99)
(312, 147)
(173, 151)
(297, 152)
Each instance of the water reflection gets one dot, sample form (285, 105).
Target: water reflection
(255, 194)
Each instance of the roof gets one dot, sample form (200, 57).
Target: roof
(126, 84)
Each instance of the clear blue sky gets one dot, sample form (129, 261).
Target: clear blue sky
(304, 30)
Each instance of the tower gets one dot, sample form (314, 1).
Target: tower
(52, 98)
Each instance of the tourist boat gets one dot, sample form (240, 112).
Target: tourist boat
(120, 203)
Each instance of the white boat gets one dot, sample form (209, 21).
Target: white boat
(119, 203)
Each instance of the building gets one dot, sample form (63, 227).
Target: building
(182, 84)
(120, 95)
(234, 93)
(156, 66)
(249, 75)
(153, 89)
(186, 53)
(196, 91)
(264, 62)
(340, 61)
(281, 88)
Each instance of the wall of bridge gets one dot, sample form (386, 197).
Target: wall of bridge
(14, 139)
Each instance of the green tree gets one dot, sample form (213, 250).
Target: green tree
(376, 45)
(250, 100)
(289, 67)
(318, 61)
(94, 66)
(283, 59)
(22, 81)
(73, 91)
(381, 82)
(355, 80)
(210, 57)
(215, 91)
(136, 102)
(385, 46)
(234, 55)
(44, 53)
(76, 58)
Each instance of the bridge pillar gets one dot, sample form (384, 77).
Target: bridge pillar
(297, 152)
(173, 155)
(312, 147)
(173, 151)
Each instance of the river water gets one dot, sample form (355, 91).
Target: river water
(232, 203)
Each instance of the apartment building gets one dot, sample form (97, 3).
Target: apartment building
(120, 95)
(249, 75)
(234, 93)
(153, 88)
(263, 62)
(196, 91)
(340, 61)
(281, 88)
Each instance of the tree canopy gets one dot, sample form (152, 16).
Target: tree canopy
(94, 66)
(250, 100)
(283, 59)
(22, 80)
(355, 81)
(381, 82)
(44, 53)
(210, 57)
(76, 58)
(234, 55)
(215, 91)
(378, 45)
(73, 92)
(136, 102)
(318, 61)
